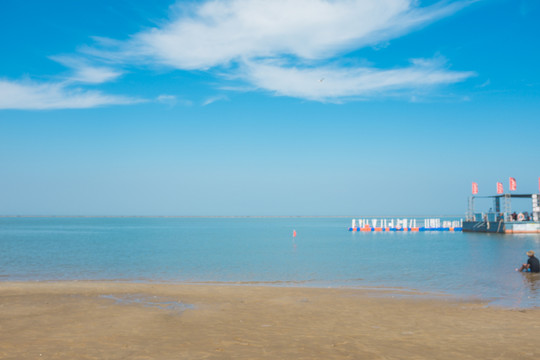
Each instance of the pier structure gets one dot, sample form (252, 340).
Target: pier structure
(501, 218)
(405, 224)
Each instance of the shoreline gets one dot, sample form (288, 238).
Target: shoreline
(367, 290)
(116, 320)
(373, 291)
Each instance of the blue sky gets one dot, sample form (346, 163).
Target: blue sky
(251, 107)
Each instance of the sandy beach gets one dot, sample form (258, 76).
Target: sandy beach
(109, 320)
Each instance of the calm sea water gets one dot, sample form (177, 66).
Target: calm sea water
(262, 250)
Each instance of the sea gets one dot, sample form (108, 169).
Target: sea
(263, 251)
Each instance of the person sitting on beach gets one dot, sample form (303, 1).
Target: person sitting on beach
(532, 265)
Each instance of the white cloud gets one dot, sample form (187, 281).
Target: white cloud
(213, 99)
(173, 100)
(83, 72)
(217, 32)
(166, 99)
(94, 75)
(280, 45)
(332, 83)
(34, 96)
(486, 83)
(29, 95)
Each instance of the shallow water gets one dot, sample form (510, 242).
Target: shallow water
(262, 250)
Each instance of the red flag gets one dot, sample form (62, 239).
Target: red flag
(500, 188)
(474, 188)
(513, 184)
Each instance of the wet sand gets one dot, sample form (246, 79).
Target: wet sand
(109, 320)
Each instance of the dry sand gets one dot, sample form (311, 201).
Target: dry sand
(85, 320)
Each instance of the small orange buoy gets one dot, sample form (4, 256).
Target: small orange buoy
(294, 233)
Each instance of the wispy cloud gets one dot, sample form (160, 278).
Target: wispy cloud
(217, 32)
(485, 83)
(172, 100)
(65, 94)
(29, 95)
(213, 99)
(83, 72)
(279, 45)
(284, 47)
(166, 99)
(330, 83)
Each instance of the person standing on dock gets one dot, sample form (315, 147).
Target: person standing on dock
(532, 265)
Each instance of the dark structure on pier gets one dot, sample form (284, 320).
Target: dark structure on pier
(502, 220)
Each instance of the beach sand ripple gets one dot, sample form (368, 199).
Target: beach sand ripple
(88, 320)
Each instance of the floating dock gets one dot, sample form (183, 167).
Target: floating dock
(503, 220)
(412, 225)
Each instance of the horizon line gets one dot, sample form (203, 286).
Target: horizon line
(222, 216)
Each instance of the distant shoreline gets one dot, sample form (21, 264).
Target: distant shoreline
(224, 216)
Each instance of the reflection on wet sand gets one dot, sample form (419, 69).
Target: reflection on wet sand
(532, 281)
